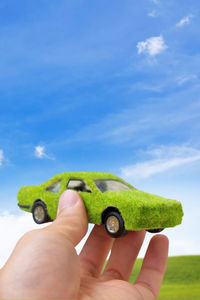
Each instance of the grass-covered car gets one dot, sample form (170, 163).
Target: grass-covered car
(108, 199)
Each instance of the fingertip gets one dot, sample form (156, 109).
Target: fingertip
(157, 252)
(72, 219)
(68, 199)
(161, 240)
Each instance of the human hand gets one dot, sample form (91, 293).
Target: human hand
(44, 263)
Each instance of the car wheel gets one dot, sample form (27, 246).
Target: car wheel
(114, 224)
(155, 230)
(39, 212)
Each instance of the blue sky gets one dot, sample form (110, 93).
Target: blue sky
(101, 86)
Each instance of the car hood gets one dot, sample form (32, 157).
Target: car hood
(149, 211)
(139, 196)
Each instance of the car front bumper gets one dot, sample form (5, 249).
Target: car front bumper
(24, 206)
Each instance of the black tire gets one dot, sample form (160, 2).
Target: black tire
(39, 213)
(118, 230)
(157, 230)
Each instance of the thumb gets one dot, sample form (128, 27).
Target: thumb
(71, 220)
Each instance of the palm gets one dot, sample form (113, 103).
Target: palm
(113, 289)
(113, 282)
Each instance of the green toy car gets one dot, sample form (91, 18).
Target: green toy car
(108, 199)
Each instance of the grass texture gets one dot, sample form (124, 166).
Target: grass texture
(182, 278)
(139, 210)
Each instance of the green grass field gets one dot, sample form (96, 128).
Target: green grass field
(182, 278)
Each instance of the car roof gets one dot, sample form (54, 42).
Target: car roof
(87, 175)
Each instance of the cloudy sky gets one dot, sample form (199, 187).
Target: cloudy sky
(101, 86)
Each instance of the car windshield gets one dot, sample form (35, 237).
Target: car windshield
(54, 188)
(110, 185)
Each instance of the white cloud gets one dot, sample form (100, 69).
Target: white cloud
(40, 152)
(16, 226)
(152, 14)
(139, 125)
(163, 159)
(185, 78)
(1, 157)
(152, 46)
(179, 243)
(184, 21)
(147, 87)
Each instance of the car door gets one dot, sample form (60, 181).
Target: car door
(89, 196)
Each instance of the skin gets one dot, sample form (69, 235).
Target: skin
(44, 263)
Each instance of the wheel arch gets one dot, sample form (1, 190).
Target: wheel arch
(108, 210)
(36, 201)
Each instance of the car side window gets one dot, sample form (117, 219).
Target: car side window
(78, 185)
(54, 188)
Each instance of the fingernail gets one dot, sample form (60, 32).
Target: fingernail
(68, 199)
